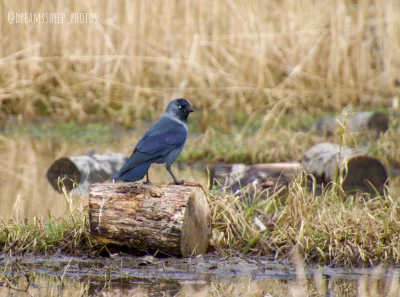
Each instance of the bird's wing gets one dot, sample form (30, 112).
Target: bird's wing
(163, 137)
(161, 144)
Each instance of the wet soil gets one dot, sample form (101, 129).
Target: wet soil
(165, 276)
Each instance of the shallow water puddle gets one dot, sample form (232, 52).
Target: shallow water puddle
(202, 276)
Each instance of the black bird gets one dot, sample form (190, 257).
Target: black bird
(162, 143)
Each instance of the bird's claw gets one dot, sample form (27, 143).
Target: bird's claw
(178, 182)
(147, 183)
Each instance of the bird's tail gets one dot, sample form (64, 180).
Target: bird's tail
(133, 174)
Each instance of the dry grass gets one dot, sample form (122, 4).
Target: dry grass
(328, 228)
(338, 231)
(224, 56)
(69, 234)
(66, 235)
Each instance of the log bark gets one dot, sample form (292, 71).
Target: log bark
(79, 172)
(361, 121)
(171, 219)
(266, 178)
(362, 172)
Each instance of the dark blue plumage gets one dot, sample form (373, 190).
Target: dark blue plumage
(162, 143)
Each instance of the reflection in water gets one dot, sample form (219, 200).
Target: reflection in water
(25, 191)
(35, 284)
(134, 288)
(213, 276)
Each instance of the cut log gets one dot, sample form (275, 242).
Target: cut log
(171, 219)
(267, 178)
(361, 121)
(79, 172)
(326, 160)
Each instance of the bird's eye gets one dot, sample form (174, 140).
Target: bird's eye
(180, 106)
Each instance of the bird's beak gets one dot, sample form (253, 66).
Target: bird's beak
(189, 109)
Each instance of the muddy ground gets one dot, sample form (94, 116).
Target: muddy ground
(160, 276)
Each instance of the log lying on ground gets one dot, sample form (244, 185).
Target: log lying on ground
(171, 219)
(360, 171)
(267, 178)
(79, 172)
(361, 121)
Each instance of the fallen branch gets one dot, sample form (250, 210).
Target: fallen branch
(362, 121)
(79, 172)
(327, 161)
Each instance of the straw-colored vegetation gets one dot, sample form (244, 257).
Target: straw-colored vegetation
(225, 56)
(69, 235)
(328, 228)
(257, 72)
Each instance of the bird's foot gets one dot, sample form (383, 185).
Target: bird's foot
(178, 182)
(147, 182)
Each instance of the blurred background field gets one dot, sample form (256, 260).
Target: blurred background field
(229, 58)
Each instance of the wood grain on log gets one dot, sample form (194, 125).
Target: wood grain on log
(79, 172)
(361, 121)
(360, 171)
(171, 219)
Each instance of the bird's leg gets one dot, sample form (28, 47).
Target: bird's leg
(147, 182)
(177, 182)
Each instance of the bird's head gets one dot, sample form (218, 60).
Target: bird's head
(179, 108)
